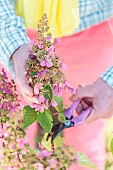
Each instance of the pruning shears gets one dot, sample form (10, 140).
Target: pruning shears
(71, 121)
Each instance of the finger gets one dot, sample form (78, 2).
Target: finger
(81, 85)
(79, 108)
(25, 100)
(28, 98)
(72, 98)
(20, 71)
(83, 92)
(108, 116)
(92, 117)
(84, 104)
(25, 88)
(88, 101)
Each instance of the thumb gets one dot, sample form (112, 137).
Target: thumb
(92, 117)
(25, 88)
(83, 92)
(22, 82)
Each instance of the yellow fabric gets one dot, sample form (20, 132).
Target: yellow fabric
(62, 14)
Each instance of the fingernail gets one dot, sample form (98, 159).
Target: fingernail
(81, 85)
(31, 94)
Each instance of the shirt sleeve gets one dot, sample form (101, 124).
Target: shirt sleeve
(94, 12)
(12, 32)
(108, 76)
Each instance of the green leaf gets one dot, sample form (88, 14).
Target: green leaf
(111, 145)
(46, 95)
(83, 160)
(59, 101)
(49, 93)
(45, 120)
(33, 73)
(58, 141)
(61, 117)
(30, 116)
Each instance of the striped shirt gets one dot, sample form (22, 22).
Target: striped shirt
(13, 34)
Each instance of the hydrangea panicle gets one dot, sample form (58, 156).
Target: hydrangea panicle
(44, 68)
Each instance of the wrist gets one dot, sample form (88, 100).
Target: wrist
(21, 51)
(108, 76)
(102, 86)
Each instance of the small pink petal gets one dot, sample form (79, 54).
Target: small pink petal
(53, 103)
(5, 105)
(7, 91)
(41, 99)
(46, 48)
(1, 132)
(36, 90)
(48, 38)
(51, 49)
(24, 152)
(32, 42)
(4, 74)
(37, 108)
(52, 56)
(40, 85)
(49, 64)
(46, 103)
(45, 154)
(40, 45)
(52, 162)
(56, 41)
(33, 105)
(66, 83)
(12, 108)
(6, 167)
(73, 91)
(43, 63)
(42, 109)
(6, 135)
(39, 166)
(21, 143)
(64, 66)
(41, 147)
(1, 156)
(58, 93)
(37, 87)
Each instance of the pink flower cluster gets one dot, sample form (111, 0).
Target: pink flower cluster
(48, 72)
(43, 103)
(8, 100)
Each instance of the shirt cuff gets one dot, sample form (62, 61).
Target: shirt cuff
(12, 37)
(19, 42)
(108, 76)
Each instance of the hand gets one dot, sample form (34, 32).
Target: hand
(100, 96)
(19, 59)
